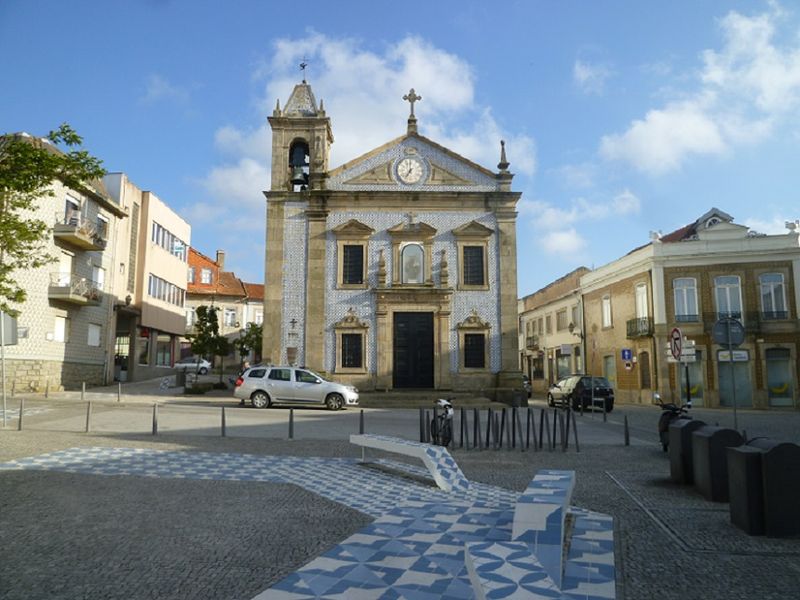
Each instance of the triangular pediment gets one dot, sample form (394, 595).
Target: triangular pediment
(416, 230)
(437, 169)
(472, 229)
(353, 228)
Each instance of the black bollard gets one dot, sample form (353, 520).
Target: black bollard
(502, 427)
(489, 421)
(361, 422)
(462, 427)
(513, 427)
(421, 425)
(222, 423)
(88, 416)
(555, 427)
(155, 419)
(291, 423)
(21, 413)
(477, 429)
(575, 431)
(627, 433)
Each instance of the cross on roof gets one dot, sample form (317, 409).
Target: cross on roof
(303, 65)
(412, 97)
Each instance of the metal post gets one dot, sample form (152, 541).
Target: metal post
(627, 433)
(477, 429)
(421, 425)
(13, 388)
(513, 427)
(688, 388)
(733, 376)
(361, 422)
(519, 431)
(3, 365)
(47, 387)
(496, 432)
(88, 417)
(545, 422)
(155, 419)
(21, 413)
(119, 391)
(427, 427)
(223, 424)
(461, 429)
(575, 431)
(502, 427)
(291, 423)
(605, 413)
(561, 429)
(488, 426)
(83, 391)
(555, 427)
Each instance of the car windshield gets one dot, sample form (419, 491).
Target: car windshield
(599, 382)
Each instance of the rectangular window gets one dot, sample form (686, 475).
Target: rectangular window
(352, 351)
(576, 317)
(259, 317)
(685, 292)
(144, 347)
(166, 291)
(473, 265)
(61, 330)
(102, 227)
(93, 337)
(728, 293)
(353, 265)
(190, 276)
(189, 317)
(642, 310)
(606, 311)
(773, 299)
(474, 351)
(561, 320)
(205, 276)
(99, 277)
(230, 317)
(548, 324)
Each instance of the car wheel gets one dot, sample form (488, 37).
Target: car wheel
(550, 401)
(260, 399)
(203, 371)
(334, 402)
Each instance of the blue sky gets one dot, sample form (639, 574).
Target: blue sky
(620, 118)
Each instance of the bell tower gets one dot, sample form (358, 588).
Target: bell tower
(301, 141)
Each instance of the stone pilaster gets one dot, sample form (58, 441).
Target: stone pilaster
(314, 343)
(273, 282)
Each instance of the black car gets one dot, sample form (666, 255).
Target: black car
(576, 390)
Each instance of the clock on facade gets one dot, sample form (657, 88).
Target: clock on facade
(410, 170)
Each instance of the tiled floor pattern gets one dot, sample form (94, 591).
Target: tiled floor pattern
(413, 550)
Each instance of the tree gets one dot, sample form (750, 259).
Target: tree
(251, 339)
(28, 168)
(206, 341)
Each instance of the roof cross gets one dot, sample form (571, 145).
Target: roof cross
(303, 65)
(412, 97)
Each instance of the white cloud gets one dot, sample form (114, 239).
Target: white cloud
(743, 90)
(774, 226)
(590, 78)
(159, 88)
(565, 243)
(555, 225)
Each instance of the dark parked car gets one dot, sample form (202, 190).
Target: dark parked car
(575, 390)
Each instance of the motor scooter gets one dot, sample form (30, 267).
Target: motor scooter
(669, 412)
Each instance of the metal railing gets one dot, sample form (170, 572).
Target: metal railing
(532, 342)
(640, 327)
(97, 231)
(78, 286)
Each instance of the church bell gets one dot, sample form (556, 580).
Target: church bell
(298, 176)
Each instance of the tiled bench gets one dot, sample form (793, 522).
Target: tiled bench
(534, 563)
(437, 459)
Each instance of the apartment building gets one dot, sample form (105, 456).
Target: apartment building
(149, 285)
(690, 278)
(63, 326)
(551, 325)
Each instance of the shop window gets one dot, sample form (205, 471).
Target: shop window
(780, 383)
(163, 350)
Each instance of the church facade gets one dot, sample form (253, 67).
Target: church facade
(394, 270)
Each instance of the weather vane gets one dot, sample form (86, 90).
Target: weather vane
(303, 65)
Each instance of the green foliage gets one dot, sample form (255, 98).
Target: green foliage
(206, 340)
(251, 339)
(28, 167)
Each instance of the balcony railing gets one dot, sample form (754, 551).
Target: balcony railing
(79, 231)
(687, 318)
(532, 342)
(640, 327)
(68, 287)
(774, 315)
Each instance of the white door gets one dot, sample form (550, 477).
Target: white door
(64, 269)
(641, 301)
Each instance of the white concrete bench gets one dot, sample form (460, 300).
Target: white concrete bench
(437, 459)
(533, 563)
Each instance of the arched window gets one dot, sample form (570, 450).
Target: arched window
(412, 260)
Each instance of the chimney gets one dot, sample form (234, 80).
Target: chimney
(221, 260)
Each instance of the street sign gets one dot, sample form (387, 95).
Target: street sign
(738, 356)
(627, 354)
(728, 327)
(685, 358)
(675, 343)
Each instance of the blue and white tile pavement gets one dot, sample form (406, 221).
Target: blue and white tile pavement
(415, 547)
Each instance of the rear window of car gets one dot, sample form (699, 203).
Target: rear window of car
(280, 375)
(599, 382)
(256, 372)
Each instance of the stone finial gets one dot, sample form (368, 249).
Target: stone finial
(381, 270)
(444, 275)
(277, 111)
(503, 164)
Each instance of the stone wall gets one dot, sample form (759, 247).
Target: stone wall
(37, 375)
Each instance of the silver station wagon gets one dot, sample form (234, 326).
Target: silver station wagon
(265, 386)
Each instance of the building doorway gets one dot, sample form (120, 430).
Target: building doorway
(413, 350)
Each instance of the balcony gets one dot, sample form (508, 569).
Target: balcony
(68, 287)
(641, 327)
(687, 318)
(532, 342)
(76, 230)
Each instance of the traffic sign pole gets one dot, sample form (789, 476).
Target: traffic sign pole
(733, 375)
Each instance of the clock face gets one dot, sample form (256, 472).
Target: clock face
(409, 170)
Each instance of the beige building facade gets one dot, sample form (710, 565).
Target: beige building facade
(149, 283)
(689, 279)
(394, 270)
